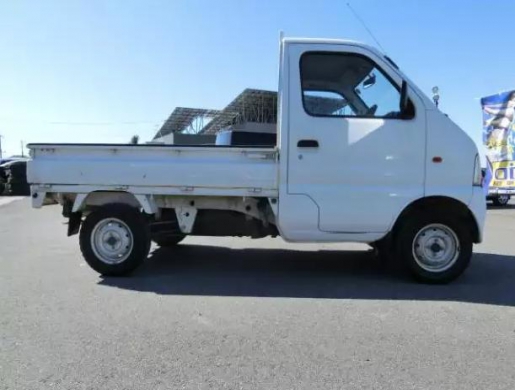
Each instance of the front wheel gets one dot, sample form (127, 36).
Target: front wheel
(435, 249)
(115, 240)
(501, 200)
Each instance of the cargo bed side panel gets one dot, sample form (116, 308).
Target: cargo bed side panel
(95, 165)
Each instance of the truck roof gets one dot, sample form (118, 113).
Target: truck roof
(332, 41)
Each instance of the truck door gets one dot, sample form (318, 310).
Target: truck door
(349, 148)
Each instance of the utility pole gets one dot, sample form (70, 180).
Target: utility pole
(21, 144)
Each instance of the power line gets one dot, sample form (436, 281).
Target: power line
(101, 123)
(72, 123)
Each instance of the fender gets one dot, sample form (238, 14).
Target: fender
(99, 198)
(441, 204)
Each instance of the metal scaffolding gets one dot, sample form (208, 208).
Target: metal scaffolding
(187, 121)
(252, 105)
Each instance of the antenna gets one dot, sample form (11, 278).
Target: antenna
(366, 28)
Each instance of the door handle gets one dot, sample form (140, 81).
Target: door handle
(307, 143)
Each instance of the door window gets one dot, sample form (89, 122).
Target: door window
(344, 84)
(326, 103)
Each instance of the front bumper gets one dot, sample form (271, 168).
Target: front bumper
(493, 192)
(477, 207)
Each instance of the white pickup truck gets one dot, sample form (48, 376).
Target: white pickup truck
(381, 166)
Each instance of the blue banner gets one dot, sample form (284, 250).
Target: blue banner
(499, 139)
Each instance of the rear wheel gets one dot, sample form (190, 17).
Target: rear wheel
(115, 240)
(435, 249)
(501, 200)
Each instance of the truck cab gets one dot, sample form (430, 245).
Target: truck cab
(360, 143)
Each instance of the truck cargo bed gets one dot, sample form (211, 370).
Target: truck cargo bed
(155, 168)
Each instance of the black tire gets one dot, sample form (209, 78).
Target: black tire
(18, 189)
(405, 245)
(15, 180)
(137, 225)
(501, 200)
(384, 250)
(168, 241)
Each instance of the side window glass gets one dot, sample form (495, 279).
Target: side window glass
(378, 92)
(326, 103)
(340, 84)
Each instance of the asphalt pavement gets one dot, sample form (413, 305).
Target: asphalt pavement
(248, 314)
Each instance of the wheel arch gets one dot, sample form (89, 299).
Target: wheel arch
(440, 204)
(101, 198)
(75, 209)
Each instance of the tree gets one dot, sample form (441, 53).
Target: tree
(135, 139)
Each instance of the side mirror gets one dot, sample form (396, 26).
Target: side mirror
(369, 81)
(403, 104)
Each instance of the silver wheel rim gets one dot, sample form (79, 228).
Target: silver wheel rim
(112, 241)
(503, 199)
(436, 248)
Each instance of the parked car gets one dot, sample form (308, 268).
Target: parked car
(12, 158)
(13, 174)
(3, 180)
(498, 198)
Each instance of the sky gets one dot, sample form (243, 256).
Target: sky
(103, 71)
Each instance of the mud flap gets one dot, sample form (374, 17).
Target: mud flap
(74, 223)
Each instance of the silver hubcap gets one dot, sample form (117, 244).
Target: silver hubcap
(436, 248)
(503, 199)
(112, 241)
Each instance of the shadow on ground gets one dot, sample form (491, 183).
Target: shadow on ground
(510, 206)
(218, 271)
